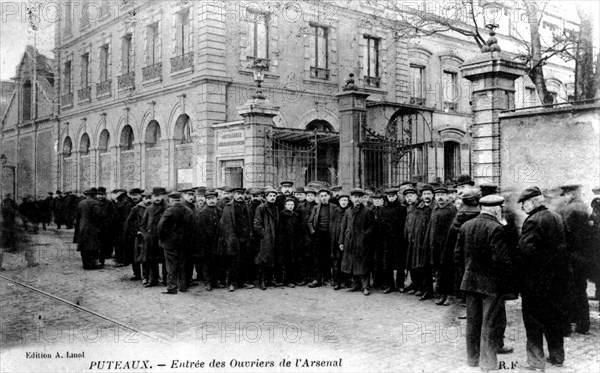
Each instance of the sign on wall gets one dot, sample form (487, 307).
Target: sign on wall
(231, 141)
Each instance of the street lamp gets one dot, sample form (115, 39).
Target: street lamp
(4, 161)
(259, 66)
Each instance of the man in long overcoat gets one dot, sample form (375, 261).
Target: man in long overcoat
(489, 271)
(152, 254)
(57, 209)
(441, 220)
(266, 221)
(306, 260)
(130, 230)
(334, 230)
(175, 234)
(207, 230)
(107, 227)
(318, 226)
(235, 232)
(577, 233)
(543, 270)
(69, 209)
(393, 217)
(290, 240)
(416, 245)
(356, 228)
(87, 230)
(122, 206)
(411, 199)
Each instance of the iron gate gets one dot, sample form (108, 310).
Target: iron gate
(401, 154)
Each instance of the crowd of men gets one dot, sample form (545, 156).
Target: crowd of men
(463, 242)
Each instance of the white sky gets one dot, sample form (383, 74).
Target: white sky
(15, 31)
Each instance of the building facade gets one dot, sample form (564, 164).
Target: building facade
(148, 93)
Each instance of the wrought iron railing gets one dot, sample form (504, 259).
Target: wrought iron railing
(185, 61)
(127, 80)
(152, 71)
(85, 93)
(104, 88)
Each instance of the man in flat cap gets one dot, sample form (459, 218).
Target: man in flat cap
(318, 226)
(287, 190)
(174, 233)
(335, 194)
(578, 233)
(393, 217)
(440, 222)
(373, 245)
(411, 198)
(256, 199)
(188, 198)
(488, 188)
(225, 193)
(199, 197)
(122, 205)
(356, 229)
(266, 222)
(152, 254)
(207, 227)
(87, 230)
(543, 255)
(235, 232)
(421, 275)
(57, 209)
(334, 231)
(131, 228)
(488, 272)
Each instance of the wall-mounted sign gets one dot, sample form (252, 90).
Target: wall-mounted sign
(232, 141)
(185, 176)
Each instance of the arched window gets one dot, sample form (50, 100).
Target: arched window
(127, 138)
(152, 134)
(103, 142)
(67, 147)
(183, 129)
(84, 144)
(320, 126)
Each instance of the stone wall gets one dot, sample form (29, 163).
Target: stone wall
(549, 147)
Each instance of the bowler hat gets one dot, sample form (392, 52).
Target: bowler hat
(201, 190)
(158, 191)
(136, 191)
(299, 190)
(488, 188)
(101, 190)
(465, 179)
(529, 193)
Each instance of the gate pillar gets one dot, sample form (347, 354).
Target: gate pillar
(258, 114)
(493, 74)
(353, 110)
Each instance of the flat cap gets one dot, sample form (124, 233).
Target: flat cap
(336, 188)
(201, 190)
(407, 183)
(299, 190)
(58, 192)
(491, 200)
(210, 193)
(471, 197)
(357, 192)
(377, 194)
(255, 191)
(136, 191)
(325, 190)
(270, 190)
(310, 190)
(174, 195)
(344, 193)
(391, 191)
(91, 191)
(529, 193)
(101, 190)
(189, 190)
(425, 187)
(440, 189)
(408, 190)
(291, 199)
(488, 188)
(158, 191)
(240, 190)
(465, 179)
(287, 183)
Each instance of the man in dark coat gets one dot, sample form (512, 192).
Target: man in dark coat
(176, 239)
(122, 206)
(418, 257)
(207, 230)
(266, 221)
(577, 233)
(488, 272)
(69, 209)
(306, 260)
(373, 245)
(188, 199)
(287, 190)
(335, 194)
(46, 207)
(543, 257)
(290, 240)
(57, 209)
(256, 199)
(107, 228)
(334, 230)
(87, 230)
(394, 250)
(411, 199)
(130, 229)
(224, 196)
(235, 232)
(318, 226)
(356, 228)
(152, 254)
(441, 220)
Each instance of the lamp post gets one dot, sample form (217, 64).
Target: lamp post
(259, 66)
(4, 161)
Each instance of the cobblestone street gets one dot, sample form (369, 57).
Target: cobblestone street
(391, 333)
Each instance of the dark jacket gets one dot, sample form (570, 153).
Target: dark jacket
(132, 227)
(393, 217)
(266, 221)
(207, 230)
(290, 237)
(578, 234)
(314, 216)
(229, 241)
(87, 226)
(416, 229)
(488, 265)
(335, 227)
(176, 229)
(356, 227)
(437, 232)
(149, 227)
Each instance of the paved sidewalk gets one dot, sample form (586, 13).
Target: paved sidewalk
(394, 333)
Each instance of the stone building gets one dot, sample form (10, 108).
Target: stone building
(151, 93)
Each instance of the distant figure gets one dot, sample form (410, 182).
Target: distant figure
(87, 230)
